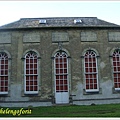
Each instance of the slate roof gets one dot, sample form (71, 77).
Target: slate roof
(58, 22)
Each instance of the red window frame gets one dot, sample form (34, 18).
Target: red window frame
(61, 72)
(3, 73)
(91, 72)
(116, 68)
(31, 73)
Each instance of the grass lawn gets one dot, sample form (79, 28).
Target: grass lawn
(108, 110)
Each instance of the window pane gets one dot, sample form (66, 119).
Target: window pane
(116, 68)
(35, 82)
(31, 60)
(61, 71)
(57, 65)
(90, 61)
(57, 82)
(3, 72)
(87, 81)
(31, 71)
(61, 65)
(61, 82)
(95, 86)
(35, 88)
(35, 60)
(65, 82)
(65, 77)
(2, 67)
(31, 88)
(57, 87)
(57, 71)
(65, 87)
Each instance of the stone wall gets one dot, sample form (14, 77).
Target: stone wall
(45, 42)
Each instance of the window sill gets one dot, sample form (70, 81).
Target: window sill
(92, 92)
(115, 91)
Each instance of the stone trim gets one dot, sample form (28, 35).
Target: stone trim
(60, 37)
(88, 36)
(31, 37)
(114, 36)
(5, 38)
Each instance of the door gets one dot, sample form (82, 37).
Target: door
(61, 78)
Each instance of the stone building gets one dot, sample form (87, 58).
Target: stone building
(64, 60)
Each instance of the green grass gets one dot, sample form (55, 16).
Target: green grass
(108, 110)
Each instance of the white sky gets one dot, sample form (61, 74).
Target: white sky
(11, 11)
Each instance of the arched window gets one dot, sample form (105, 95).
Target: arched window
(31, 73)
(61, 71)
(3, 73)
(116, 68)
(91, 71)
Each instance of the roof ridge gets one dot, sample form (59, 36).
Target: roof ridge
(55, 17)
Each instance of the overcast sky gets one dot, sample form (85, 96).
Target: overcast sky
(11, 11)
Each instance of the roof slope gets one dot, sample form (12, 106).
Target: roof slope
(58, 22)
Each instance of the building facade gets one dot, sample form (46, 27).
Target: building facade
(48, 61)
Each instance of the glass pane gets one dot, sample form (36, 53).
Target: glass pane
(27, 82)
(57, 77)
(56, 60)
(35, 60)
(91, 86)
(6, 72)
(57, 87)
(35, 82)
(65, 59)
(86, 64)
(35, 88)
(65, 76)
(91, 81)
(2, 62)
(57, 71)
(95, 80)
(6, 83)
(27, 71)
(87, 81)
(65, 82)
(27, 60)
(65, 70)
(86, 60)
(87, 86)
(61, 87)
(27, 88)
(35, 77)
(57, 65)
(31, 66)
(31, 60)
(95, 86)
(115, 79)
(2, 67)
(57, 82)
(31, 82)
(61, 82)
(6, 62)
(35, 71)
(2, 84)
(31, 88)
(65, 87)
(61, 77)
(31, 72)
(60, 60)
(61, 70)
(6, 89)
